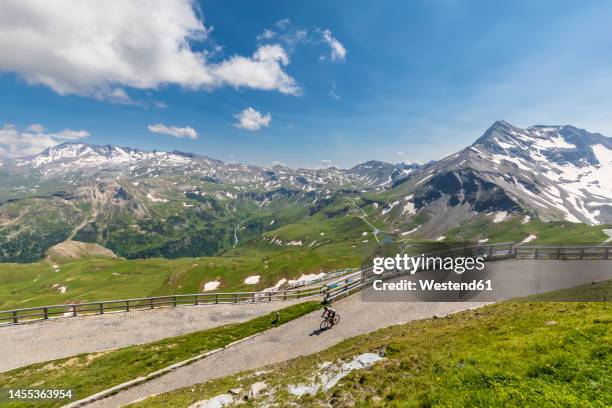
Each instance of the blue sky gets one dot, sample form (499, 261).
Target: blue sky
(420, 78)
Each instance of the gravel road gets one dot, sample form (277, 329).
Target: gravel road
(293, 339)
(299, 337)
(36, 342)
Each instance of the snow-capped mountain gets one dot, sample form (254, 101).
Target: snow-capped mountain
(76, 162)
(143, 204)
(554, 169)
(548, 172)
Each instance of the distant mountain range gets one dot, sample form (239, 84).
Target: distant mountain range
(144, 204)
(80, 163)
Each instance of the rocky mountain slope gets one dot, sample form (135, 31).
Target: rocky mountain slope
(170, 204)
(549, 173)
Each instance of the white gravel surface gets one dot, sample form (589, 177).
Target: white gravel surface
(36, 342)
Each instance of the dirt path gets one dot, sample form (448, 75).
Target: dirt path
(36, 342)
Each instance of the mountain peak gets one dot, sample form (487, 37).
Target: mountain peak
(500, 124)
(499, 127)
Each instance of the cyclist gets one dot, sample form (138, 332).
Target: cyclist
(328, 313)
(330, 318)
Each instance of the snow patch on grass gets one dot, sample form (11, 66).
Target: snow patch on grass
(211, 285)
(330, 373)
(500, 216)
(529, 239)
(252, 280)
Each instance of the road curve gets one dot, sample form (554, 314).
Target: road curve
(293, 339)
(299, 337)
(25, 344)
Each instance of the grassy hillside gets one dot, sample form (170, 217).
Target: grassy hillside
(515, 230)
(37, 284)
(74, 250)
(528, 353)
(287, 252)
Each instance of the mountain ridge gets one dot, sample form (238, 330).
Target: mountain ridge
(151, 203)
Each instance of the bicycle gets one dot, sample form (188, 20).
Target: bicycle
(329, 321)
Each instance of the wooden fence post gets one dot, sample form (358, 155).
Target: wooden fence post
(15, 319)
(101, 307)
(151, 302)
(127, 305)
(46, 312)
(174, 301)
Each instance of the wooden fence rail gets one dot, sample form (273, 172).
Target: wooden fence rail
(126, 305)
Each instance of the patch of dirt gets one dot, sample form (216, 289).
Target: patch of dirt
(74, 250)
(71, 362)
(92, 356)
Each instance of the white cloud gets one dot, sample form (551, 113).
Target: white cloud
(264, 70)
(338, 52)
(283, 24)
(97, 48)
(401, 153)
(252, 120)
(290, 36)
(267, 34)
(174, 131)
(327, 163)
(68, 134)
(35, 139)
(333, 93)
(36, 128)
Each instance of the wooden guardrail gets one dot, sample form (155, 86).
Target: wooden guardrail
(344, 286)
(31, 314)
(563, 252)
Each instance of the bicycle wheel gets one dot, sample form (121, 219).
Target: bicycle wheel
(336, 320)
(325, 324)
